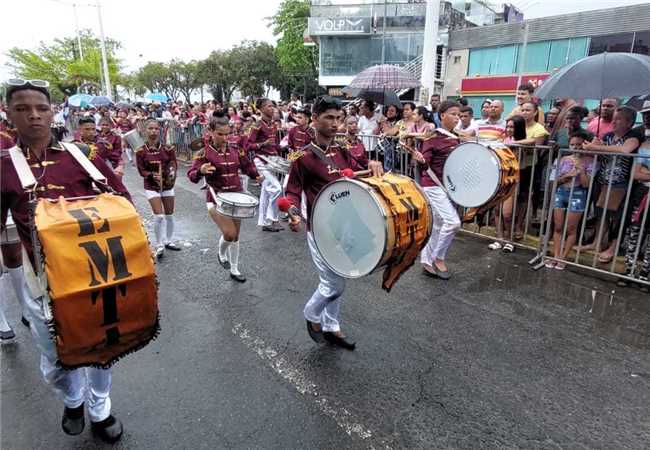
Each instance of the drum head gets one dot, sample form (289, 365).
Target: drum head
(349, 228)
(471, 174)
(237, 198)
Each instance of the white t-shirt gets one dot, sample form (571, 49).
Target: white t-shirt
(368, 126)
(473, 126)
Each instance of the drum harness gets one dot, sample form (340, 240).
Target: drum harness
(35, 276)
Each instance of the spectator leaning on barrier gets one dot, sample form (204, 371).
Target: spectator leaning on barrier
(637, 229)
(494, 127)
(368, 124)
(615, 172)
(467, 127)
(603, 124)
(572, 125)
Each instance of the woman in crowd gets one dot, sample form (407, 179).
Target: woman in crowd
(515, 131)
(219, 164)
(232, 113)
(157, 166)
(388, 124)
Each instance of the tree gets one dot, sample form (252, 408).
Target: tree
(257, 67)
(298, 63)
(60, 63)
(186, 77)
(157, 77)
(220, 72)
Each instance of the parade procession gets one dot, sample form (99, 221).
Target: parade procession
(434, 236)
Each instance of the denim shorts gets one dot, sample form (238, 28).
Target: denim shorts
(578, 201)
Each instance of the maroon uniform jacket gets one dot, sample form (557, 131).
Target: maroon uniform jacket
(124, 125)
(356, 149)
(261, 132)
(58, 174)
(299, 137)
(435, 151)
(227, 162)
(309, 174)
(153, 160)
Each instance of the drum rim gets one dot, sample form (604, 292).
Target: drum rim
(255, 203)
(493, 153)
(375, 199)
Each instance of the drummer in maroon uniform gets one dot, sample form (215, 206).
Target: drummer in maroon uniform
(109, 146)
(102, 147)
(263, 142)
(354, 144)
(58, 174)
(219, 163)
(157, 165)
(323, 161)
(300, 135)
(446, 223)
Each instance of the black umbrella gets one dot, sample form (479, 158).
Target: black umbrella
(599, 76)
(381, 96)
(637, 101)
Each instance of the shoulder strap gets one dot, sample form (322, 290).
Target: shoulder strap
(25, 174)
(88, 166)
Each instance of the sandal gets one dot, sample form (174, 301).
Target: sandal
(496, 245)
(560, 266)
(605, 259)
(550, 264)
(508, 248)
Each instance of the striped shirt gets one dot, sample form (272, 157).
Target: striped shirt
(491, 131)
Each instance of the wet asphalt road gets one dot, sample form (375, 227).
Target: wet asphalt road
(498, 357)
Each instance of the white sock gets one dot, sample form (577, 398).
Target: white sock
(234, 258)
(169, 227)
(223, 248)
(17, 278)
(4, 326)
(158, 220)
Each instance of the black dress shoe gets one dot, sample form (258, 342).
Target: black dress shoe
(224, 262)
(338, 341)
(278, 227)
(24, 321)
(73, 420)
(239, 277)
(173, 247)
(316, 336)
(270, 229)
(7, 335)
(108, 430)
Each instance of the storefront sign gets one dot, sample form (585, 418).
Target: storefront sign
(499, 85)
(339, 25)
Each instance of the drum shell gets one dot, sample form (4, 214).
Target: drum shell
(278, 165)
(233, 209)
(133, 139)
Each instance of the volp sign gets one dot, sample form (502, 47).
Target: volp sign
(324, 25)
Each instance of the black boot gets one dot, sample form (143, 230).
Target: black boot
(108, 430)
(338, 341)
(73, 420)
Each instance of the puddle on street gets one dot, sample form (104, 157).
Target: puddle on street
(623, 313)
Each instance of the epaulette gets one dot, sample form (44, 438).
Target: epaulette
(200, 154)
(89, 150)
(295, 155)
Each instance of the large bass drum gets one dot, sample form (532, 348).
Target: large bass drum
(475, 175)
(362, 225)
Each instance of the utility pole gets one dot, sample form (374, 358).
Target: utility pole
(383, 34)
(76, 26)
(107, 80)
(522, 60)
(429, 52)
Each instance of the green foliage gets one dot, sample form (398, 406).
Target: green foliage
(289, 24)
(59, 63)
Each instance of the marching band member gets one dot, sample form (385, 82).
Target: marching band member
(322, 162)
(157, 165)
(354, 144)
(263, 141)
(300, 135)
(58, 174)
(124, 125)
(219, 163)
(109, 146)
(446, 223)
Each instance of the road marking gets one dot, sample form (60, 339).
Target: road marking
(297, 378)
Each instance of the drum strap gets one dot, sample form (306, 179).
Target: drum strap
(436, 180)
(25, 174)
(84, 162)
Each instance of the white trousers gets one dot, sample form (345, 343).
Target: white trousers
(324, 305)
(271, 191)
(445, 225)
(73, 386)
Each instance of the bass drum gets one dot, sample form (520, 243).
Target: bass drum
(362, 225)
(476, 175)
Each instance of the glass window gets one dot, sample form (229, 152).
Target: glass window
(537, 54)
(348, 56)
(558, 55)
(475, 66)
(611, 43)
(506, 61)
(642, 42)
(577, 49)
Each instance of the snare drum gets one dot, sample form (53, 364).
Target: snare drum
(477, 175)
(278, 164)
(237, 205)
(362, 225)
(133, 139)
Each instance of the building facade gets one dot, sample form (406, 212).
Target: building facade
(489, 61)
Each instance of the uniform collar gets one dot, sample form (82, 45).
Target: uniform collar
(53, 145)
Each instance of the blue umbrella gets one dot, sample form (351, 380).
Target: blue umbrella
(76, 99)
(101, 100)
(157, 97)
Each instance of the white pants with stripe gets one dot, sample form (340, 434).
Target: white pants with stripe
(324, 306)
(271, 191)
(77, 386)
(445, 225)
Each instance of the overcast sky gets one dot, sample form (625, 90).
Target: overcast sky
(158, 30)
